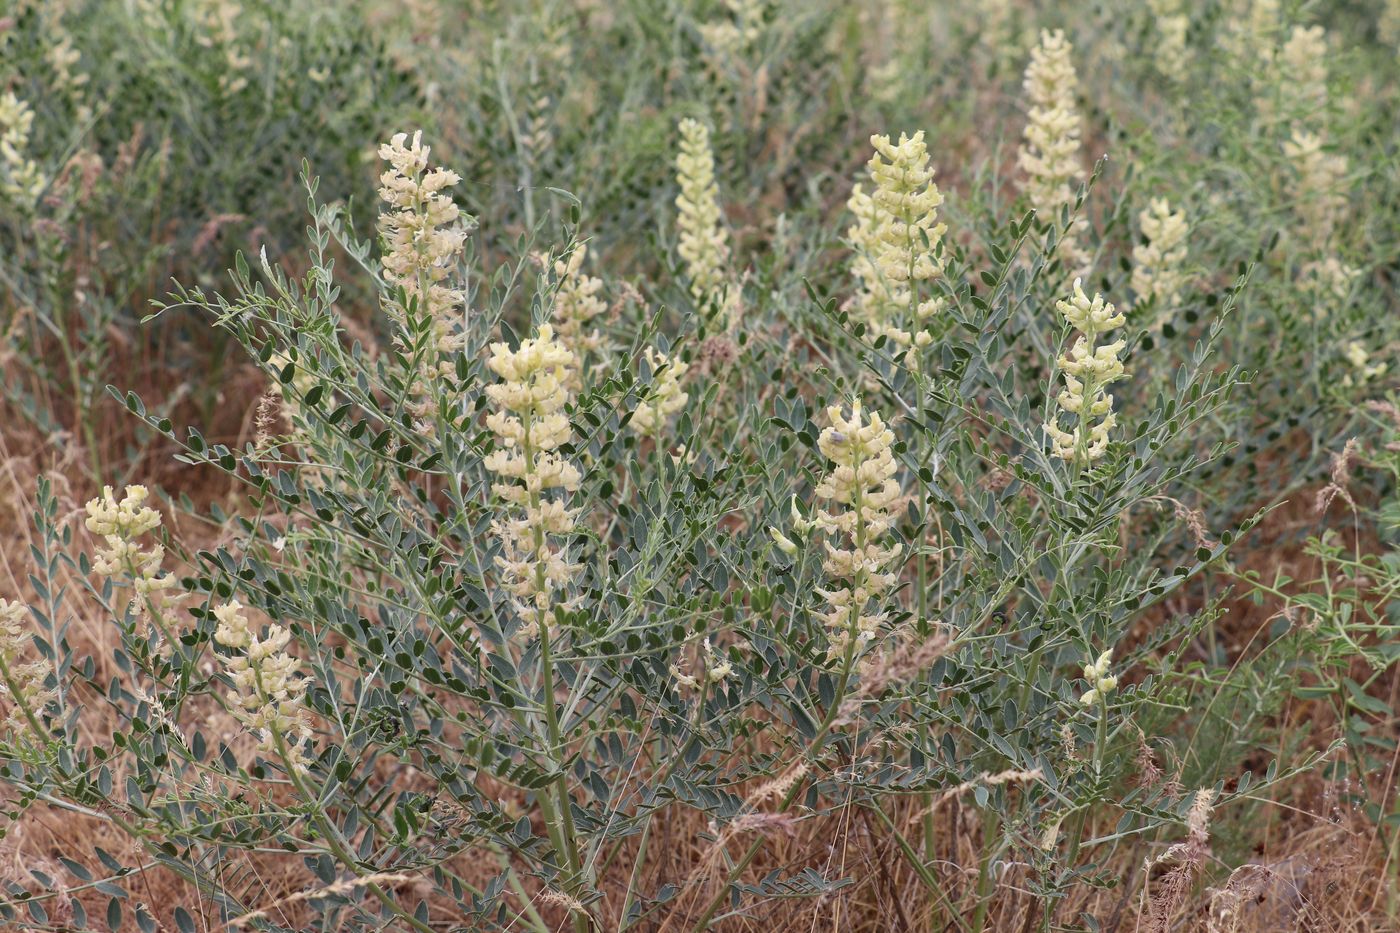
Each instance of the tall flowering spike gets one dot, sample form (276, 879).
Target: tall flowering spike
(861, 489)
(423, 238)
(20, 179)
(1303, 72)
(530, 425)
(1088, 369)
(703, 243)
(22, 672)
(269, 697)
(1320, 196)
(1158, 261)
(576, 305)
(666, 396)
(1171, 54)
(899, 228)
(1049, 152)
(121, 525)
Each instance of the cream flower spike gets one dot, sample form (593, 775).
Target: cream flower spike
(862, 490)
(1157, 262)
(1049, 153)
(1088, 370)
(896, 236)
(530, 426)
(703, 243)
(424, 236)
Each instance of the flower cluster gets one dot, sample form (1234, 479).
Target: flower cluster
(862, 489)
(1088, 369)
(732, 37)
(1360, 359)
(1329, 281)
(1321, 177)
(217, 21)
(270, 695)
(1302, 67)
(121, 524)
(1101, 683)
(1049, 154)
(666, 396)
(423, 240)
(22, 676)
(20, 179)
(1253, 33)
(874, 301)
(898, 228)
(62, 57)
(1157, 261)
(531, 425)
(1171, 55)
(703, 244)
(576, 304)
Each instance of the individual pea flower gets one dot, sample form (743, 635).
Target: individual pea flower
(1101, 683)
(703, 243)
(1049, 153)
(121, 524)
(23, 691)
(783, 542)
(862, 490)
(665, 396)
(1088, 369)
(1157, 261)
(530, 425)
(1320, 195)
(269, 696)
